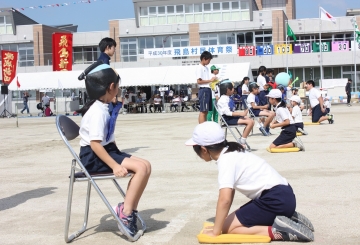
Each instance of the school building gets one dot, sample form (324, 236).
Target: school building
(175, 32)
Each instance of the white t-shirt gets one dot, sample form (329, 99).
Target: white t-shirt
(189, 90)
(171, 93)
(282, 114)
(250, 99)
(45, 100)
(327, 104)
(203, 73)
(143, 96)
(245, 88)
(314, 96)
(94, 124)
(246, 173)
(261, 81)
(157, 101)
(176, 101)
(296, 114)
(223, 105)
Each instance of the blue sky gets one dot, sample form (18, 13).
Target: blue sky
(95, 16)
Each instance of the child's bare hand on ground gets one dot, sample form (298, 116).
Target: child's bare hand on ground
(120, 171)
(208, 232)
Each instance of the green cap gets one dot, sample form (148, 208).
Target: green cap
(213, 68)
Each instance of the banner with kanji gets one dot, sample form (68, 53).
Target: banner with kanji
(62, 51)
(9, 63)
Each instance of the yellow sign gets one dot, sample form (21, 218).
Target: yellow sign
(283, 49)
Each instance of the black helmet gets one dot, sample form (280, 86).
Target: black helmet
(293, 88)
(280, 87)
(252, 85)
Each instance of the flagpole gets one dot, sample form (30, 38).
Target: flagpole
(17, 122)
(355, 55)
(286, 46)
(320, 46)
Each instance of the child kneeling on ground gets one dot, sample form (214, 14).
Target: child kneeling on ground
(99, 152)
(284, 120)
(226, 106)
(295, 111)
(271, 211)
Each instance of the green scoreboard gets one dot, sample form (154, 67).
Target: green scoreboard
(326, 47)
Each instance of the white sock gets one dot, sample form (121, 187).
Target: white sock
(243, 140)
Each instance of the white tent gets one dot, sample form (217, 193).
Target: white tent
(143, 76)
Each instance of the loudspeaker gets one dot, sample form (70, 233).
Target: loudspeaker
(4, 89)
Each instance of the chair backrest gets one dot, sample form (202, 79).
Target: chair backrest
(67, 127)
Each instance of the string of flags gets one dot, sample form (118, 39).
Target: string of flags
(51, 5)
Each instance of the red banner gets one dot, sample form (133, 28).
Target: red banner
(62, 51)
(9, 63)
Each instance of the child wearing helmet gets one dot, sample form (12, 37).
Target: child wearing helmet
(284, 120)
(259, 110)
(99, 152)
(226, 106)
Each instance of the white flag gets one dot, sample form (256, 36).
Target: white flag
(324, 15)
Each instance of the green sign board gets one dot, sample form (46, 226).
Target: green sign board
(326, 47)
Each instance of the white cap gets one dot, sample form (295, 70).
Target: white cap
(296, 98)
(207, 133)
(274, 93)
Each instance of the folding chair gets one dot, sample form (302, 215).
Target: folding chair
(224, 124)
(68, 131)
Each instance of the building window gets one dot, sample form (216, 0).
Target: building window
(25, 50)
(6, 25)
(128, 50)
(208, 39)
(245, 39)
(26, 54)
(195, 13)
(263, 38)
(145, 42)
(85, 55)
(180, 41)
(162, 42)
(226, 38)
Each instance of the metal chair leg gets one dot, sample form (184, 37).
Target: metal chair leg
(68, 212)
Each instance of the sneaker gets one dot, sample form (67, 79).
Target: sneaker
(267, 129)
(302, 131)
(348, 105)
(301, 219)
(263, 131)
(128, 221)
(134, 214)
(284, 229)
(298, 145)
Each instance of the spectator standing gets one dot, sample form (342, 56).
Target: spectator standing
(25, 101)
(107, 48)
(348, 91)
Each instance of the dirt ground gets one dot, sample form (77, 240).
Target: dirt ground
(182, 191)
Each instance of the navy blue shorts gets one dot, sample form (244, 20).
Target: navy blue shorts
(299, 125)
(232, 120)
(279, 200)
(256, 112)
(286, 136)
(327, 110)
(317, 113)
(262, 97)
(94, 164)
(205, 99)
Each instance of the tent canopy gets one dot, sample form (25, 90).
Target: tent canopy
(143, 76)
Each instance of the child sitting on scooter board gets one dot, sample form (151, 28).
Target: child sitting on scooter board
(226, 106)
(271, 210)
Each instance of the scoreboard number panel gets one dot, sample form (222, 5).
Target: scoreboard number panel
(326, 47)
(265, 50)
(340, 46)
(283, 49)
(300, 48)
(247, 51)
